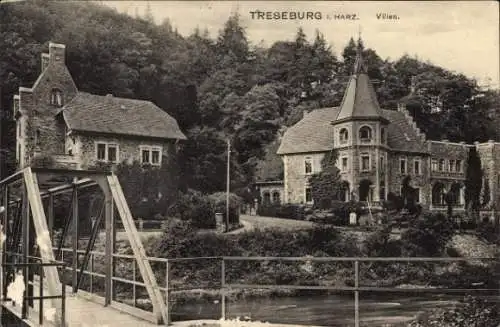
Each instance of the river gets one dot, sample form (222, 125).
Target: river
(328, 310)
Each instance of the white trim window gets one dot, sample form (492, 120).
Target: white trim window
(308, 165)
(151, 155)
(107, 152)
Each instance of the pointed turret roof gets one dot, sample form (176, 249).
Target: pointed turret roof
(360, 100)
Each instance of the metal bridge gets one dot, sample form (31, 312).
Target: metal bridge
(33, 253)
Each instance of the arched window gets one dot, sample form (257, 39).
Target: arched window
(438, 194)
(267, 198)
(276, 197)
(365, 133)
(344, 135)
(56, 98)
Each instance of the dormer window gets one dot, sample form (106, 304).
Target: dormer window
(56, 98)
(365, 134)
(344, 135)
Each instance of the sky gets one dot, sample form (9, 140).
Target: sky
(461, 36)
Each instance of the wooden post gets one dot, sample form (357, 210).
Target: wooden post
(108, 212)
(356, 293)
(74, 270)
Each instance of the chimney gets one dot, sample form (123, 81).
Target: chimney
(57, 52)
(45, 60)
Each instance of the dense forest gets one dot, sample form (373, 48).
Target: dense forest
(225, 88)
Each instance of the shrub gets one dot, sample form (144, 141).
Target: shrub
(218, 201)
(289, 211)
(488, 231)
(196, 208)
(428, 235)
(470, 312)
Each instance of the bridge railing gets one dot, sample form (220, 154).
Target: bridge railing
(126, 273)
(30, 267)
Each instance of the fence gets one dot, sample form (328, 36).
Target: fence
(29, 269)
(164, 274)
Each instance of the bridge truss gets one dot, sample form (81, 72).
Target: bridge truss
(29, 227)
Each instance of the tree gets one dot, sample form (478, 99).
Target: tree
(326, 185)
(473, 182)
(232, 41)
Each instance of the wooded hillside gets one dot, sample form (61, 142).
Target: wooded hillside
(225, 87)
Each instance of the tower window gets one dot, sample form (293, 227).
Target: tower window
(365, 162)
(365, 133)
(56, 98)
(344, 164)
(344, 135)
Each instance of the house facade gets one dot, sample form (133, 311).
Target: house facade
(80, 130)
(377, 149)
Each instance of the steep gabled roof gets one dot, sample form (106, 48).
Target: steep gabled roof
(119, 116)
(314, 133)
(360, 100)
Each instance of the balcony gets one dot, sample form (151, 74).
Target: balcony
(61, 161)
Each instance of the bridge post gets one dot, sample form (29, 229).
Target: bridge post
(25, 242)
(109, 248)
(223, 289)
(5, 224)
(74, 216)
(356, 293)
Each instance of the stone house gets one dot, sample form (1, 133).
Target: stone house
(81, 130)
(377, 148)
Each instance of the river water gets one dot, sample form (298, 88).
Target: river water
(331, 310)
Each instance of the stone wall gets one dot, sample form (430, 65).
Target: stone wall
(420, 181)
(42, 131)
(129, 149)
(296, 179)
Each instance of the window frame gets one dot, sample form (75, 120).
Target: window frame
(417, 163)
(308, 190)
(362, 156)
(370, 134)
(343, 131)
(441, 165)
(405, 160)
(458, 166)
(56, 98)
(308, 160)
(346, 158)
(434, 164)
(107, 145)
(150, 149)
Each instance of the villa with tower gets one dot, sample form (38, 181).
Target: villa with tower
(377, 148)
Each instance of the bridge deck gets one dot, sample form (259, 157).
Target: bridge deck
(81, 312)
